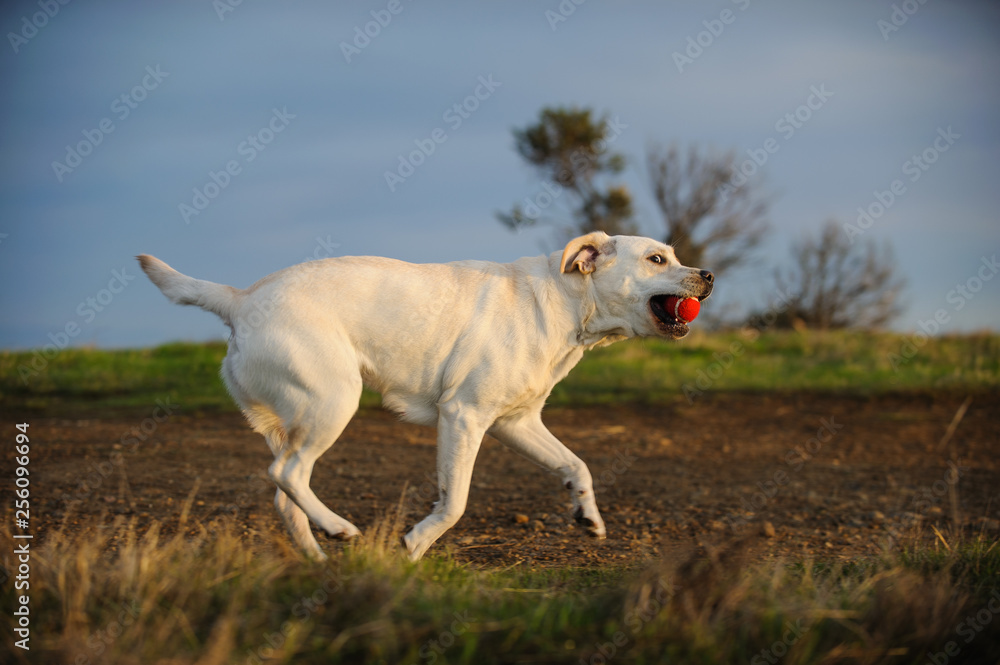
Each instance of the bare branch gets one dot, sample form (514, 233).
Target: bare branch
(708, 224)
(840, 285)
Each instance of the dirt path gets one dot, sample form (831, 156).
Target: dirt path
(666, 478)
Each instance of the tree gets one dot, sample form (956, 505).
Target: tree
(836, 284)
(568, 149)
(711, 222)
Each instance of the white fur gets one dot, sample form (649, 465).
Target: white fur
(473, 347)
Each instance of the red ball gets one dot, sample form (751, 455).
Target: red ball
(684, 309)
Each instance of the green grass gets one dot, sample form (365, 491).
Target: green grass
(91, 378)
(849, 362)
(213, 594)
(635, 371)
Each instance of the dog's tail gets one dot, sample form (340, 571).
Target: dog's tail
(183, 290)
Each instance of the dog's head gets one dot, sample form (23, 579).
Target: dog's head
(629, 278)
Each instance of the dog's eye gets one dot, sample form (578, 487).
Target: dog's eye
(656, 258)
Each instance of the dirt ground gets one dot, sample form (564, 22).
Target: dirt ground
(867, 470)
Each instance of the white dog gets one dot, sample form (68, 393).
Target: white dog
(473, 347)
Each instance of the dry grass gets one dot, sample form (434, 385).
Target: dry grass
(210, 594)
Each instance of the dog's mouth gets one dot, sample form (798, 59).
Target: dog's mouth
(666, 323)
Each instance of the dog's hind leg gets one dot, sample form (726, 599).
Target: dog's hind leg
(264, 421)
(297, 523)
(309, 436)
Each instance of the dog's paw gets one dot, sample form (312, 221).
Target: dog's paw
(343, 534)
(594, 529)
(316, 555)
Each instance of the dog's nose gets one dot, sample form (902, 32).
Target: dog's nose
(707, 276)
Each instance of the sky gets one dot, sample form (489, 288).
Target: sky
(231, 140)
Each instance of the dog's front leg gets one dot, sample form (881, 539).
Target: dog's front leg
(460, 434)
(528, 436)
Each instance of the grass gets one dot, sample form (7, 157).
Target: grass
(211, 594)
(842, 361)
(636, 371)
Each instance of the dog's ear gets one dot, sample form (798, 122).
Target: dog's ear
(584, 252)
